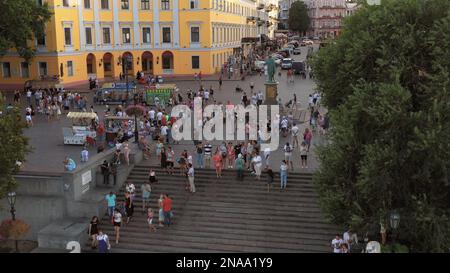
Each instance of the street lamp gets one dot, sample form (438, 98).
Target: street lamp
(12, 202)
(394, 220)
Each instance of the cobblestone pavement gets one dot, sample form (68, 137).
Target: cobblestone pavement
(46, 137)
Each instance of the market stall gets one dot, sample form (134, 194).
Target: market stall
(120, 128)
(115, 93)
(159, 94)
(81, 130)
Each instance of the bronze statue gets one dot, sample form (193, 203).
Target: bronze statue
(270, 69)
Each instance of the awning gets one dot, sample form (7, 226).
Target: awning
(76, 115)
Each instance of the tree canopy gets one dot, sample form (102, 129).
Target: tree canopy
(13, 146)
(298, 17)
(385, 82)
(22, 21)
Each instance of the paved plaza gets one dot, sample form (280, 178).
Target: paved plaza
(46, 138)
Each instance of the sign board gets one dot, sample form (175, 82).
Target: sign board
(86, 178)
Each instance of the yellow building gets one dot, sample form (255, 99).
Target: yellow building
(90, 38)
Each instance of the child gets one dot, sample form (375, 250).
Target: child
(151, 226)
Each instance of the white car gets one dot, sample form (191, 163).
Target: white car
(278, 61)
(308, 42)
(286, 63)
(259, 65)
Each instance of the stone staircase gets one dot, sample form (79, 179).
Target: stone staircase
(226, 215)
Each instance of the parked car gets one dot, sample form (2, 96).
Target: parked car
(277, 56)
(316, 38)
(278, 61)
(259, 65)
(283, 53)
(288, 51)
(299, 68)
(308, 42)
(294, 43)
(297, 51)
(286, 63)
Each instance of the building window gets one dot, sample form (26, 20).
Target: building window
(193, 4)
(125, 4)
(65, 3)
(146, 34)
(166, 35)
(126, 35)
(145, 4)
(6, 70)
(195, 62)
(106, 35)
(67, 36)
(167, 60)
(87, 4)
(105, 4)
(24, 70)
(40, 40)
(88, 31)
(195, 35)
(43, 69)
(70, 68)
(165, 4)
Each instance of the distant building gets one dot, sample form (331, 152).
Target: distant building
(327, 15)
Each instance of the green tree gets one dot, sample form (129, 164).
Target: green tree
(13, 146)
(386, 83)
(20, 23)
(298, 17)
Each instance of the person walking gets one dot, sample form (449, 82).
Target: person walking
(161, 212)
(294, 132)
(288, 155)
(105, 171)
(169, 160)
(217, 158)
(129, 206)
(146, 190)
(113, 170)
(111, 202)
(257, 164)
(199, 156)
(93, 231)
(126, 152)
(117, 221)
(240, 165)
(163, 159)
(84, 155)
(220, 83)
(103, 242)
(307, 137)
(283, 174)
(167, 209)
(230, 155)
(304, 155)
(150, 223)
(191, 176)
(207, 148)
(158, 149)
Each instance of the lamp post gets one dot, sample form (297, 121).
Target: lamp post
(394, 221)
(12, 202)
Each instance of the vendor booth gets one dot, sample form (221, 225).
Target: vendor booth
(115, 93)
(81, 130)
(159, 94)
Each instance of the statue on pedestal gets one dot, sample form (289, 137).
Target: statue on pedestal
(270, 69)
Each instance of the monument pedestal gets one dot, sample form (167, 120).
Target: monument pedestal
(271, 93)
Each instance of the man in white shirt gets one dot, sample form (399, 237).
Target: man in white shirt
(336, 244)
(294, 131)
(151, 114)
(29, 97)
(254, 99)
(191, 178)
(260, 97)
(159, 117)
(164, 132)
